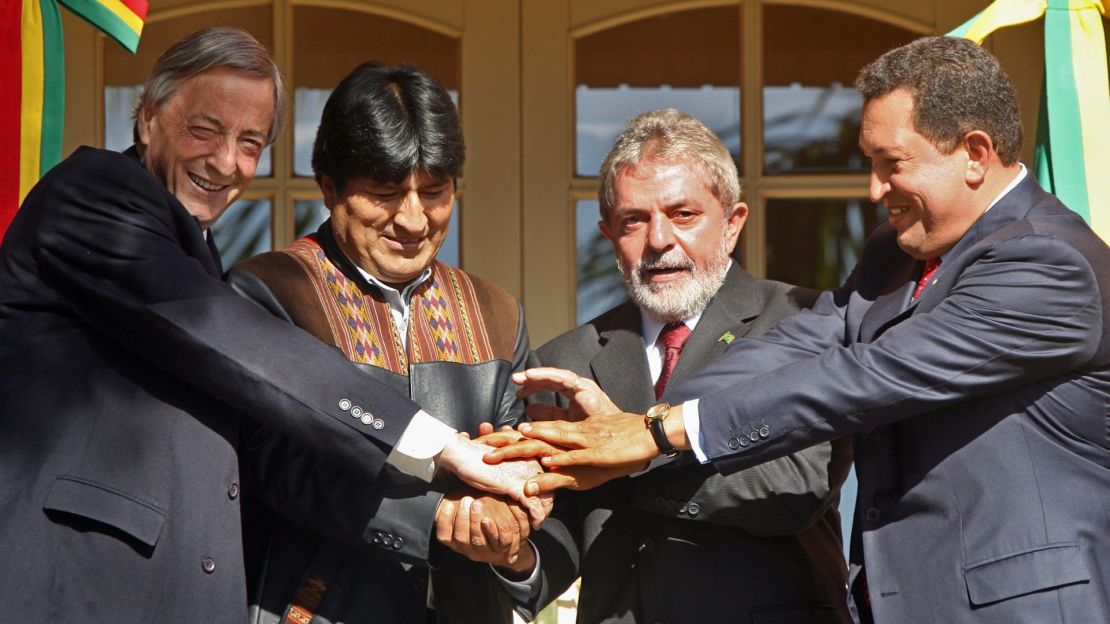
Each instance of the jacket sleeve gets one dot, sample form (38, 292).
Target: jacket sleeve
(1025, 308)
(126, 255)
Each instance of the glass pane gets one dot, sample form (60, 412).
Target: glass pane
(600, 286)
(816, 242)
(692, 64)
(124, 73)
(321, 62)
(243, 230)
(810, 109)
(603, 112)
(310, 213)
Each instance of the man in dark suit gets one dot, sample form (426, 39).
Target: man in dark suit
(762, 544)
(126, 360)
(976, 391)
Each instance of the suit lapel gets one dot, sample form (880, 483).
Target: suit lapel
(620, 366)
(211, 241)
(732, 309)
(896, 303)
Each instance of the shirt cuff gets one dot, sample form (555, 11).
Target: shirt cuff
(692, 421)
(522, 592)
(420, 442)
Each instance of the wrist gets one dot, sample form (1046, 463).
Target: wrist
(448, 459)
(523, 567)
(675, 428)
(655, 421)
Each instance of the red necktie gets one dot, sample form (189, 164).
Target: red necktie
(672, 338)
(930, 268)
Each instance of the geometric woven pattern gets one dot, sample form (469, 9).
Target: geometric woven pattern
(444, 317)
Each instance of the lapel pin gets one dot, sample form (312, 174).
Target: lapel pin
(726, 338)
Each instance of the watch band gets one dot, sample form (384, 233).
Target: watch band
(653, 420)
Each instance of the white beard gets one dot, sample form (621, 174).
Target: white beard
(678, 299)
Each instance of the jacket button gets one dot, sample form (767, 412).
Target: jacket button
(377, 539)
(344, 404)
(744, 441)
(367, 419)
(733, 443)
(208, 564)
(356, 412)
(872, 514)
(682, 508)
(378, 424)
(398, 542)
(387, 540)
(754, 436)
(764, 431)
(648, 545)
(693, 509)
(233, 491)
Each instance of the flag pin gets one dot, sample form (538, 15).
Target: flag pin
(726, 338)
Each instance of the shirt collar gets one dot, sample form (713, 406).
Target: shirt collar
(651, 327)
(391, 294)
(1009, 187)
(1013, 183)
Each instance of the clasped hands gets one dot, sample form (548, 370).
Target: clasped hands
(581, 446)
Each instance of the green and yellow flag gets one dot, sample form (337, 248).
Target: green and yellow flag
(1073, 129)
(32, 84)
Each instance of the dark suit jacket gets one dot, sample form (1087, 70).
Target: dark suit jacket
(372, 541)
(683, 543)
(125, 360)
(980, 414)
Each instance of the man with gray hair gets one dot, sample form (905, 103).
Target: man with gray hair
(763, 542)
(126, 362)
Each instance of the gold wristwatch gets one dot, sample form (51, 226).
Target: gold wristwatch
(653, 420)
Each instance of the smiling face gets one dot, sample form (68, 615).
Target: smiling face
(392, 231)
(931, 196)
(671, 236)
(204, 143)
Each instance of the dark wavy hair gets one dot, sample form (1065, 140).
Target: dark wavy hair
(384, 123)
(956, 86)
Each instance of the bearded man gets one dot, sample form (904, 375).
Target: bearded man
(763, 542)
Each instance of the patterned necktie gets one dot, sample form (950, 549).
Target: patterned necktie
(930, 268)
(672, 338)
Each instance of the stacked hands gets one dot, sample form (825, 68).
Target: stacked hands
(513, 473)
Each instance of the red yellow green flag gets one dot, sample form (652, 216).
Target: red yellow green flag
(1073, 133)
(32, 84)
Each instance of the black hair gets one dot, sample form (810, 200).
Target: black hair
(956, 87)
(384, 123)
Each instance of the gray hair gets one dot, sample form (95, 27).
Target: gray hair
(956, 87)
(669, 135)
(204, 50)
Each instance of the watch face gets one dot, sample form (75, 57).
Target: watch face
(658, 411)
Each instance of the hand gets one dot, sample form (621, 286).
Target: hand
(603, 444)
(464, 458)
(586, 398)
(484, 528)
